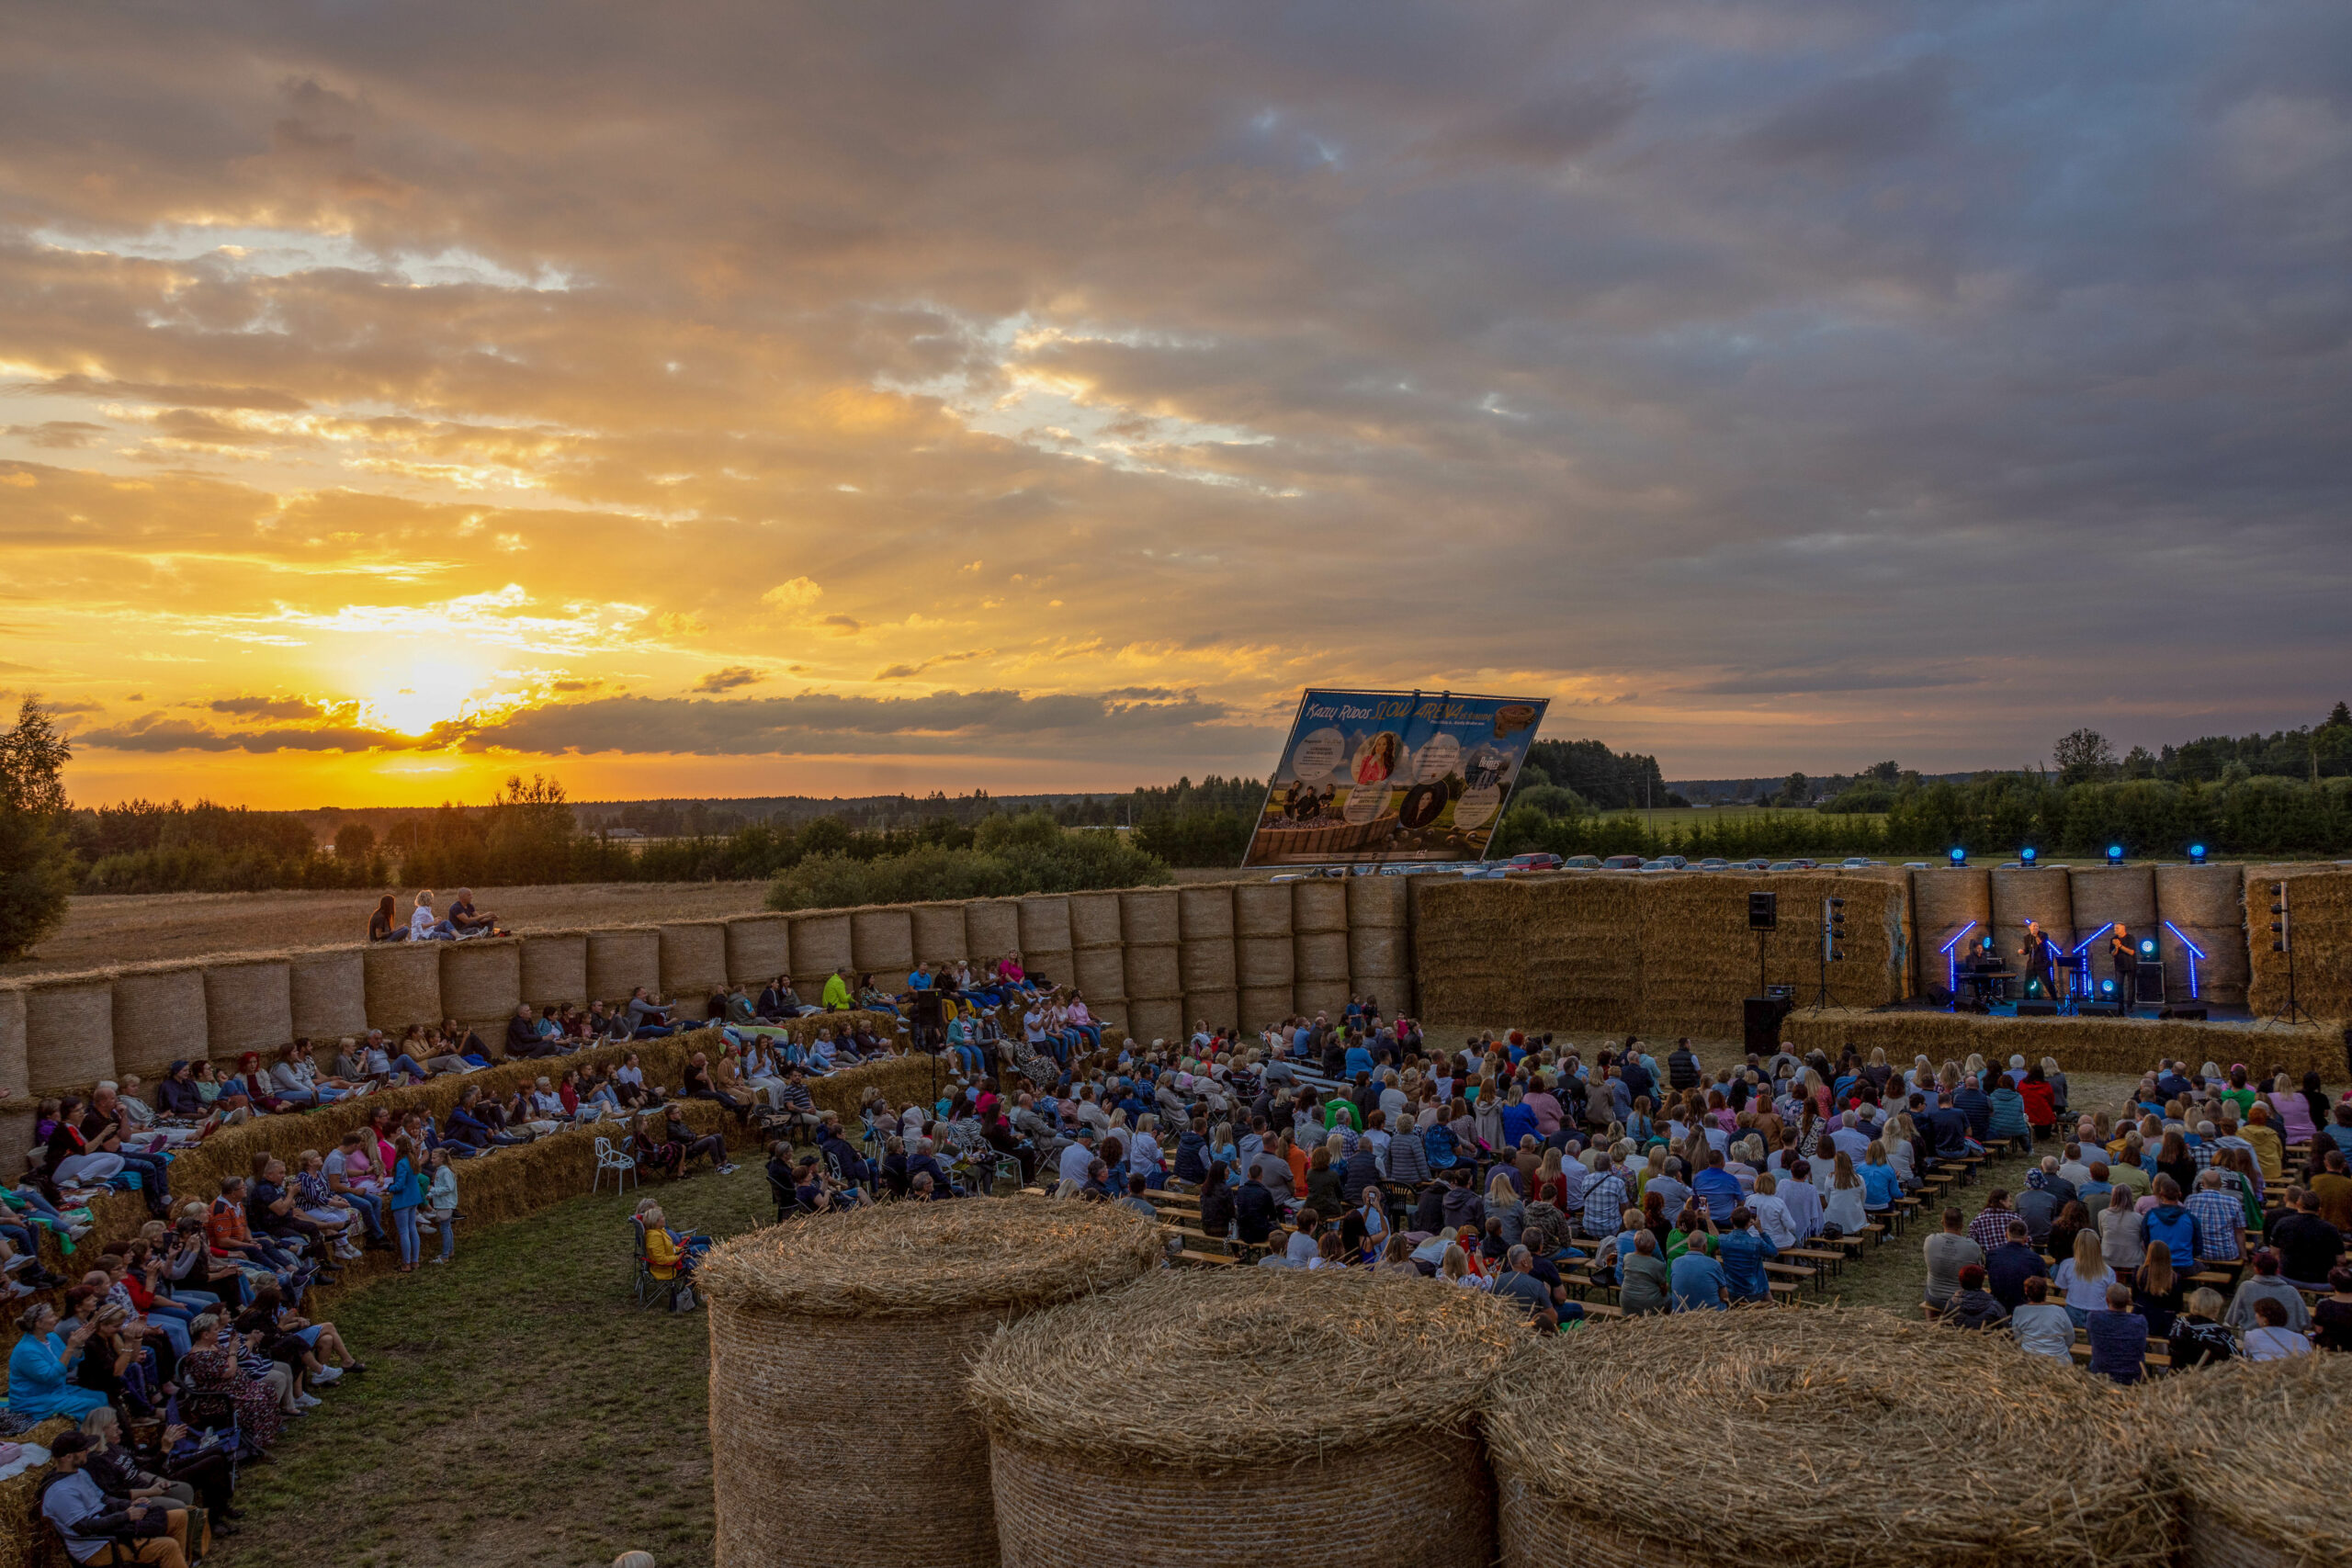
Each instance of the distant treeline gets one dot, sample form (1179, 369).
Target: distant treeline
(1002, 856)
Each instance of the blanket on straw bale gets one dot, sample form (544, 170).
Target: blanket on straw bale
(2079, 1044)
(26, 1540)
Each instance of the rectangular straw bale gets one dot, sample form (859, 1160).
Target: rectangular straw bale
(1376, 901)
(403, 984)
(940, 933)
(327, 987)
(1318, 904)
(1582, 938)
(1945, 902)
(622, 958)
(821, 944)
(991, 928)
(482, 980)
(759, 948)
(1100, 973)
(555, 968)
(1221, 1008)
(159, 1018)
(2222, 975)
(1471, 953)
(693, 957)
(2319, 925)
(1699, 956)
(1155, 1018)
(14, 1075)
(882, 944)
(69, 1033)
(1153, 973)
(2209, 897)
(1094, 920)
(1262, 1006)
(1045, 924)
(2043, 894)
(1149, 917)
(2105, 894)
(248, 1004)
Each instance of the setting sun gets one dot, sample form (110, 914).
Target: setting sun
(429, 692)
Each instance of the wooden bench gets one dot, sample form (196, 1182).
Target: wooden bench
(2154, 1358)
(1783, 1293)
(1602, 1309)
(1818, 1257)
(1795, 1273)
(1207, 1259)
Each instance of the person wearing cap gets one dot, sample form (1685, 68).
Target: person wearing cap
(96, 1528)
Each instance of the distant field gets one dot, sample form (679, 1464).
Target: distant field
(132, 928)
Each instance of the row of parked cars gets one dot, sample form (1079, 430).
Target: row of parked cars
(1485, 869)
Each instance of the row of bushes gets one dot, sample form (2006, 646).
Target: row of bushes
(1008, 856)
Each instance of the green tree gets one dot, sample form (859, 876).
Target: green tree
(355, 842)
(1795, 790)
(2082, 757)
(37, 861)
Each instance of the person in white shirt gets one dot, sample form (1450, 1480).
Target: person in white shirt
(2270, 1340)
(424, 925)
(1772, 1214)
(1078, 1158)
(1143, 1149)
(1801, 1199)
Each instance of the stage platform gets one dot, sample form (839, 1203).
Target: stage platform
(2078, 1044)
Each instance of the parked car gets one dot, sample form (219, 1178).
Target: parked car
(1581, 862)
(1856, 863)
(1542, 862)
(1714, 864)
(1662, 863)
(1622, 862)
(1803, 864)
(1786, 865)
(1757, 862)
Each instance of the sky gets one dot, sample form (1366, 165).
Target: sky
(729, 399)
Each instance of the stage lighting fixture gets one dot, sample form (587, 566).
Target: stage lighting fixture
(2108, 985)
(1959, 857)
(2147, 947)
(2026, 856)
(2115, 854)
(2196, 854)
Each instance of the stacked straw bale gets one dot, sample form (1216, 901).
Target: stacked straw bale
(69, 1033)
(821, 944)
(403, 984)
(759, 948)
(482, 980)
(159, 1018)
(2255, 1451)
(2124, 894)
(1149, 925)
(2207, 903)
(692, 955)
(30, 1543)
(555, 968)
(1181, 1396)
(2077, 1044)
(1945, 902)
(327, 989)
(1263, 965)
(940, 933)
(1098, 961)
(2041, 893)
(1583, 955)
(2319, 920)
(1473, 941)
(1378, 961)
(15, 1127)
(816, 1324)
(1930, 1446)
(1094, 920)
(248, 1003)
(622, 958)
(1318, 923)
(882, 944)
(1101, 975)
(1046, 937)
(1205, 953)
(992, 927)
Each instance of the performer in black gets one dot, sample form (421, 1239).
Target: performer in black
(2036, 954)
(2126, 953)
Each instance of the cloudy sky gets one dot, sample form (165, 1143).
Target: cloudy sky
(711, 398)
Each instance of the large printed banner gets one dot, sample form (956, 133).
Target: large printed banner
(1393, 775)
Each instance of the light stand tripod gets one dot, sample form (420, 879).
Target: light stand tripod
(2283, 941)
(1833, 931)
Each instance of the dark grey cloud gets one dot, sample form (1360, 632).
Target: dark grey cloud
(154, 733)
(730, 678)
(1877, 114)
(265, 707)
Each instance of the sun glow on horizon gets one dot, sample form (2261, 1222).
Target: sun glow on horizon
(430, 691)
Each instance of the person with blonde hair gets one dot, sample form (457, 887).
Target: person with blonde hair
(1455, 1271)
(2084, 1277)
(424, 925)
(634, 1559)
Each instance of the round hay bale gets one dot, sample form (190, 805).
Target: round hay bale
(1376, 901)
(1205, 914)
(1207, 965)
(2223, 974)
(1313, 996)
(1376, 950)
(1900, 1421)
(2104, 893)
(1945, 902)
(555, 968)
(1157, 1018)
(69, 1033)
(1100, 973)
(939, 932)
(1322, 955)
(882, 941)
(403, 984)
(1262, 1006)
(821, 944)
(13, 1072)
(1094, 920)
(2207, 897)
(249, 1004)
(816, 1326)
(1362, 1396)
(1149, 916)
(622, 958)
(2254, 1452)
(991, 928)
(1219, 1009)
(2043, 894)
(1318, 906)
(1045, 923)
(481, 979)
(327, 987)
(694, 957)
(759, 948)
(1262, 909)
(159, 1018)
(1263, 963)
(1153, 974)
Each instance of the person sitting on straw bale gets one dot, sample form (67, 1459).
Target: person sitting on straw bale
(424, 925)
(336, 1216)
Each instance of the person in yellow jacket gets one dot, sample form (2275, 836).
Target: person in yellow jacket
(837, 994)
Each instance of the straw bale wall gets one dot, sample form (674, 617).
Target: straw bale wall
(622, 958)
(327, 989)
(1321, 955)
(1045, 925)
(2223, 974)
(693, 957)
(1326, 996)
(992, 927)
(403, 984)
(1153, 974)
(15, 1073)
(1264, 965)
(1317, 905)
(1581, 955)
(2043, 894)
(1204, 954)
(2319, 921)
(248, 1005)
(821, 944)
(482, 980)
(1259, 1007)
(759, 948)
(2213, 897)
(159, 1018)
(1264, 962)
(1094, 920)
(1100, 973)
(1218, 1008)
(940, 935)
(69, 1033)
(2124, 894)
(1471, 939)
(882, 942)
(1945, 902)
(25, 1540)
(1377, 951)
(2078, 1044)
(1155, 1018)
(1376, 901)
(1149, 917)
(554, 968)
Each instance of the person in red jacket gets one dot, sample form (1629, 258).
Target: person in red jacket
(2041, 1101)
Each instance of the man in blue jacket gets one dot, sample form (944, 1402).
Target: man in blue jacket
(1743, 1251)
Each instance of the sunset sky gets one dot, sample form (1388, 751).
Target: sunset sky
(713, 399)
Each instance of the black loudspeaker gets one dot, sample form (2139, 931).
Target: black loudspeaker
(1764, 1015)
(2102, 1010)
(931, 1025)
(1763, 911)
(2186, 1009)
(2031, 1009)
